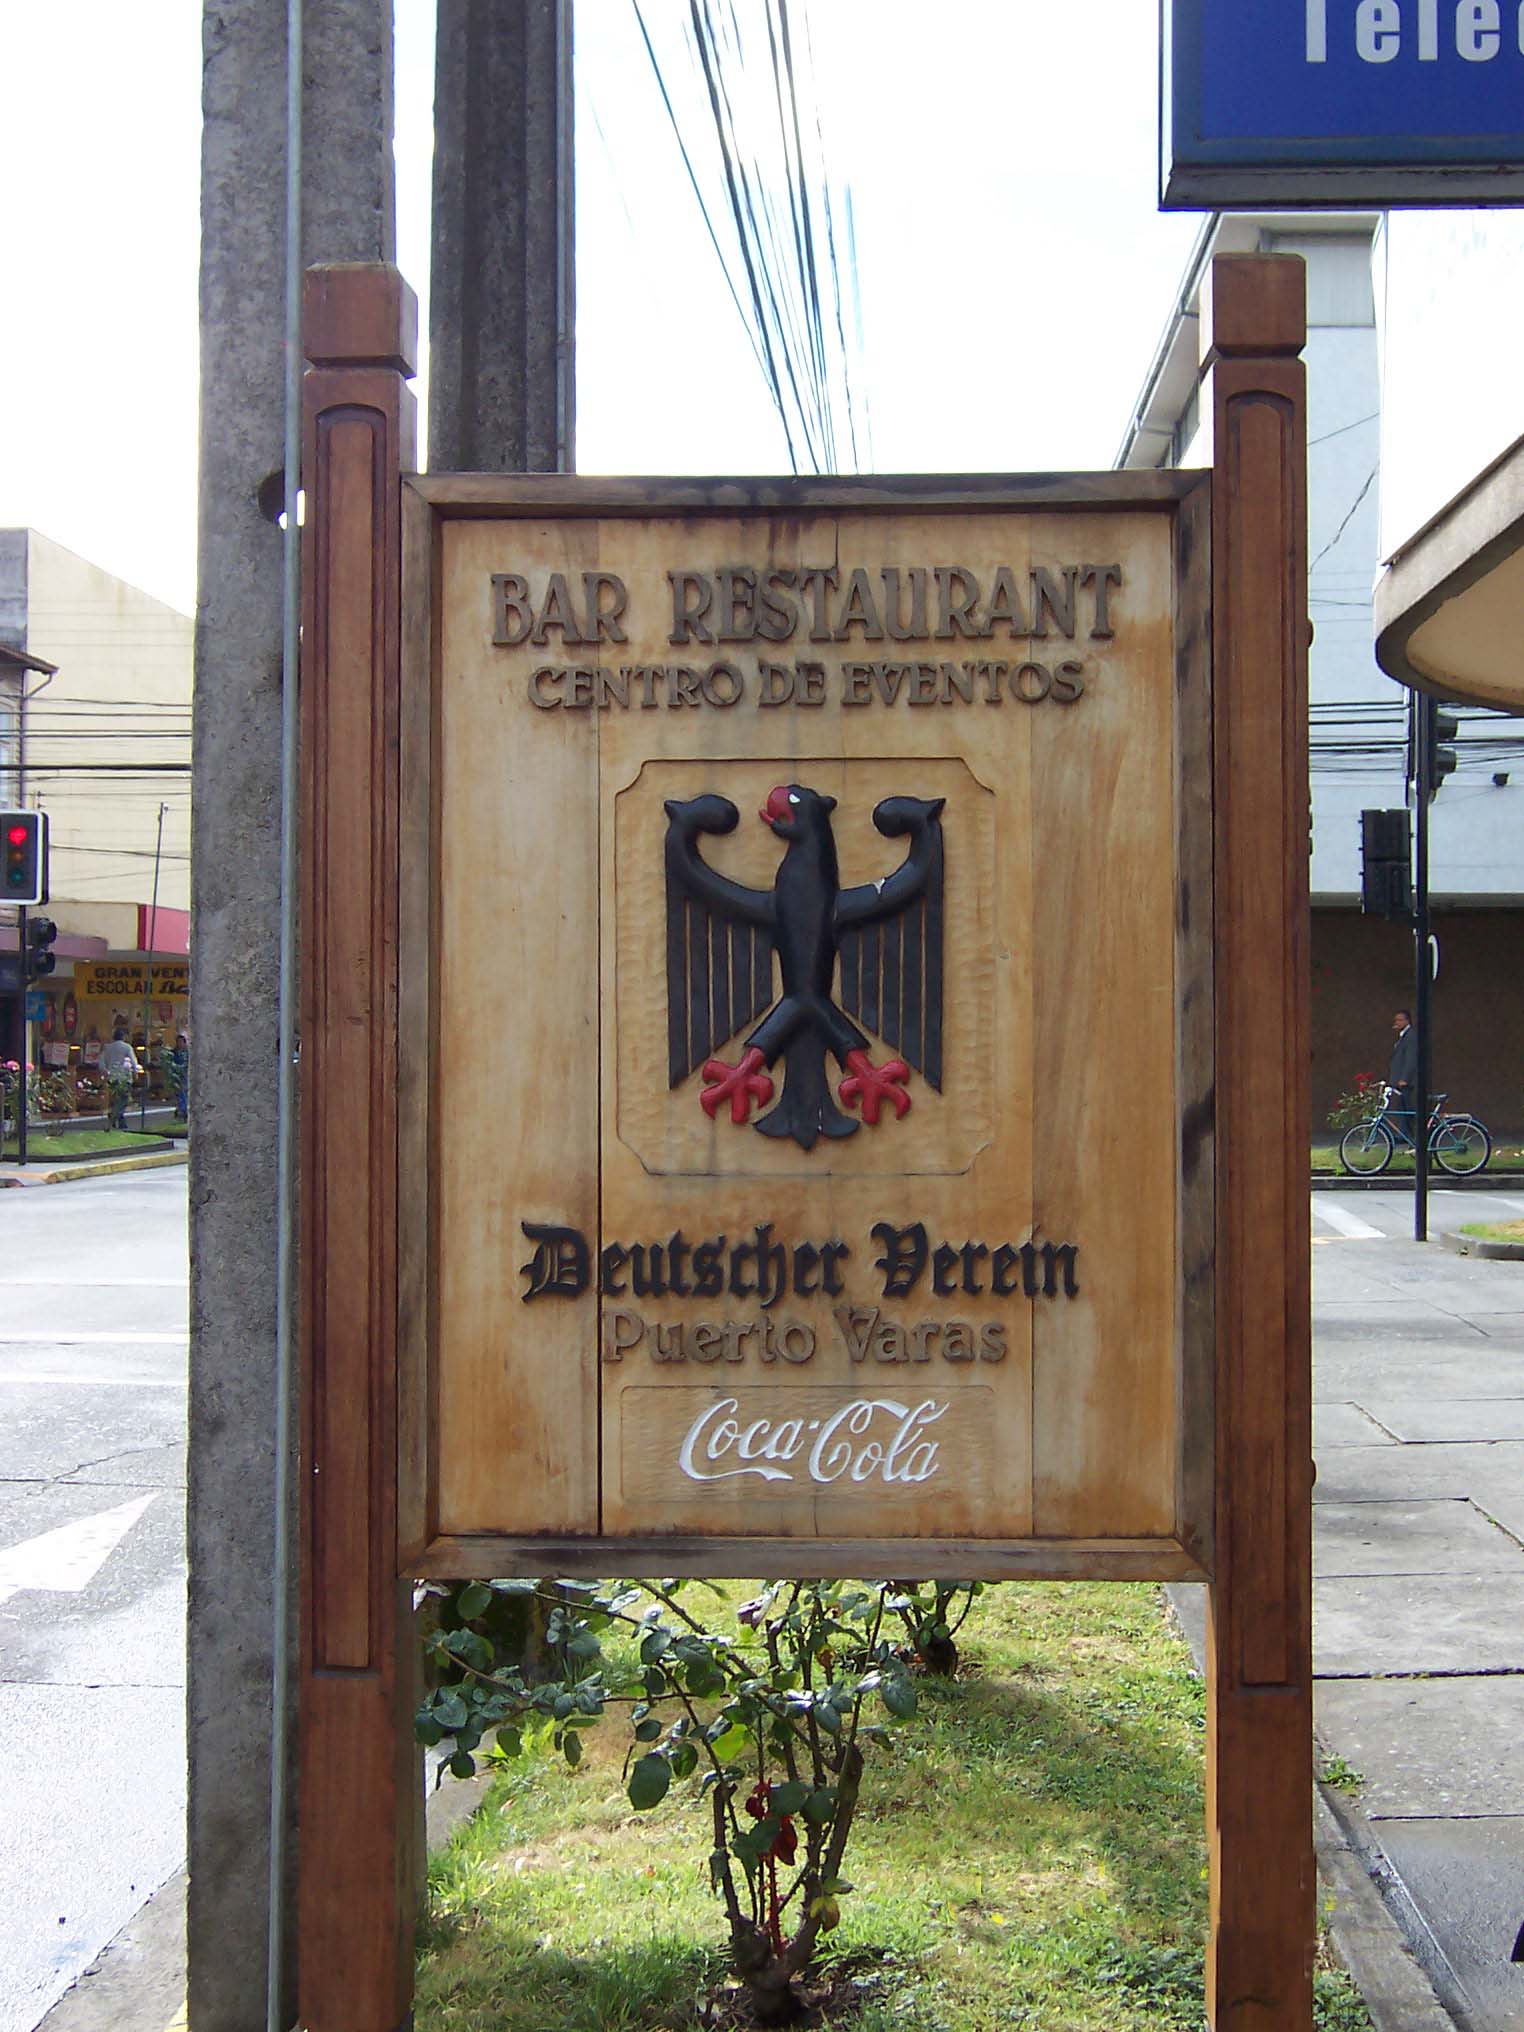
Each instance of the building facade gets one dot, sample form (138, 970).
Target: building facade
(95, 699)
(1362, 967)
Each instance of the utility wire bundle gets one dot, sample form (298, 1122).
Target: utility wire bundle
(764, 188)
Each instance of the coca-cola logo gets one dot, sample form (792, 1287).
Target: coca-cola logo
(867, 1439)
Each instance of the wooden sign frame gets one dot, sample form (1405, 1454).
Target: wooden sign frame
(365, 1285)
(429, 506)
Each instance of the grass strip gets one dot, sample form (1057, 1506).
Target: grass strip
(42, 1144)
(1029, 1853)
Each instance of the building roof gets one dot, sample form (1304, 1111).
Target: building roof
(21, 659)
(1449, 602)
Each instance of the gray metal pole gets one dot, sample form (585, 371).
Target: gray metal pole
(153, 933)
(1423, 752)
(285, 1116)
(23, 1054)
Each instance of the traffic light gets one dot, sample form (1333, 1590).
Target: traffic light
(40, 956)
(26, 856)
(1443, 728)
(1386, 884)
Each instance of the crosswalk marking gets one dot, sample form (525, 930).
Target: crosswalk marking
(66, 1560)
(1349, 1225)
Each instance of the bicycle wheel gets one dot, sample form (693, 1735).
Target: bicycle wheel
(1366, 1149)
(1461, 1145)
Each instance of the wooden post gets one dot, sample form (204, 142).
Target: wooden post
(1259, 1649)
(356, 1899)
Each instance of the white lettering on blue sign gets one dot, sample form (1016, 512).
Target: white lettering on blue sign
(1475, 28)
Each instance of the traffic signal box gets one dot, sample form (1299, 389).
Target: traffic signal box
(39, 956)
(26, 856)
(1386, 884)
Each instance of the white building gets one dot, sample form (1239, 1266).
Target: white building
(1372, 400)
(95, 704)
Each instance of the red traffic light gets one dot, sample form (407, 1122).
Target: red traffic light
(26, 856)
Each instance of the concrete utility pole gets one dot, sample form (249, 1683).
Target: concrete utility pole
(348, 214)
(501, 295)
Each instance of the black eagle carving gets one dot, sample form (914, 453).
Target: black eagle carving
(721, 938)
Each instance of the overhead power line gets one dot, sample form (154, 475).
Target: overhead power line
(765, 192)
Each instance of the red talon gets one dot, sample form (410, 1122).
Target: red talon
(739, 1084)
(874, 1084)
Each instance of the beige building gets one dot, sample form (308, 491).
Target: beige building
(100, 742)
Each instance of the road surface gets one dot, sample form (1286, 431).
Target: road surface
(92, 1569)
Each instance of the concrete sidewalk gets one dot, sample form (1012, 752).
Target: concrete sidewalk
(1418, 1591)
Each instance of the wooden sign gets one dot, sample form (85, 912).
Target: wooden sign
(804, 1066)
(815, 999)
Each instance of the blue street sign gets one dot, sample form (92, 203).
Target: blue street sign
(1273, 103)
(36, 1007)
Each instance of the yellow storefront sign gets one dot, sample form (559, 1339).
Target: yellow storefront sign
(128, 980)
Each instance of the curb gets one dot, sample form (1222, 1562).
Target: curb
(137, 1981)
(1354, 1881)
(1476, 1245)
(1399, 1990)
(1402, 1181)
(104, 1167)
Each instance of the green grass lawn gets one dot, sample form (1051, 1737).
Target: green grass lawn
(1325, 1159)
(1495, 1231)
(1029, 1853)
(40, 1144)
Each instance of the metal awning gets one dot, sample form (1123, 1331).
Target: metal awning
(22, 659)
(1449, 606)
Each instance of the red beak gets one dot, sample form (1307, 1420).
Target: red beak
(777, 810)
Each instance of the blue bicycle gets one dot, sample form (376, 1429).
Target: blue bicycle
(1459, 1144)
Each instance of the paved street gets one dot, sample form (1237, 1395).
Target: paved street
(92, 1569)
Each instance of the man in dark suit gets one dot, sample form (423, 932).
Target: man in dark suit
(1402, 1073)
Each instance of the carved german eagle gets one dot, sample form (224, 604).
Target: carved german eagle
(885, 936)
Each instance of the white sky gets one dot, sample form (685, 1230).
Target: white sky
(1014, 272)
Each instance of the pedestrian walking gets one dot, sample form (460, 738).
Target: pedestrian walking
(1402, 1073)
(119, 1063)
(178, 1061)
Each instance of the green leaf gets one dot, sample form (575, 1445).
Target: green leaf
(584, 1645)
(648, 1730)
(427, 1730)
(654, 1645)
(462, 1764)
(475, 1600)
(898, 1695)
(684, 1759)
(731, 1743)
(571, 1748)
(649, 1781)
(450, 1712)
(510, 1741)
(787, 1798)
(820, 1805)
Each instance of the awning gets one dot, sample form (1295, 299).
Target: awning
(1450, 605)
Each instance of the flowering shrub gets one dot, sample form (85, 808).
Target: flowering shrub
(772, 1723)
(1358, 1105)
(10, 1089)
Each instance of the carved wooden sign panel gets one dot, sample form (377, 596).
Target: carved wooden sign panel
(807, 1018)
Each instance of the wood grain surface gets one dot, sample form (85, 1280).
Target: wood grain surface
(359, 1772)
(1259, 1707)
(1068, 1070)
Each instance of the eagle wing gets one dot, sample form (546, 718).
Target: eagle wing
(889, 938)
(719, 941)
